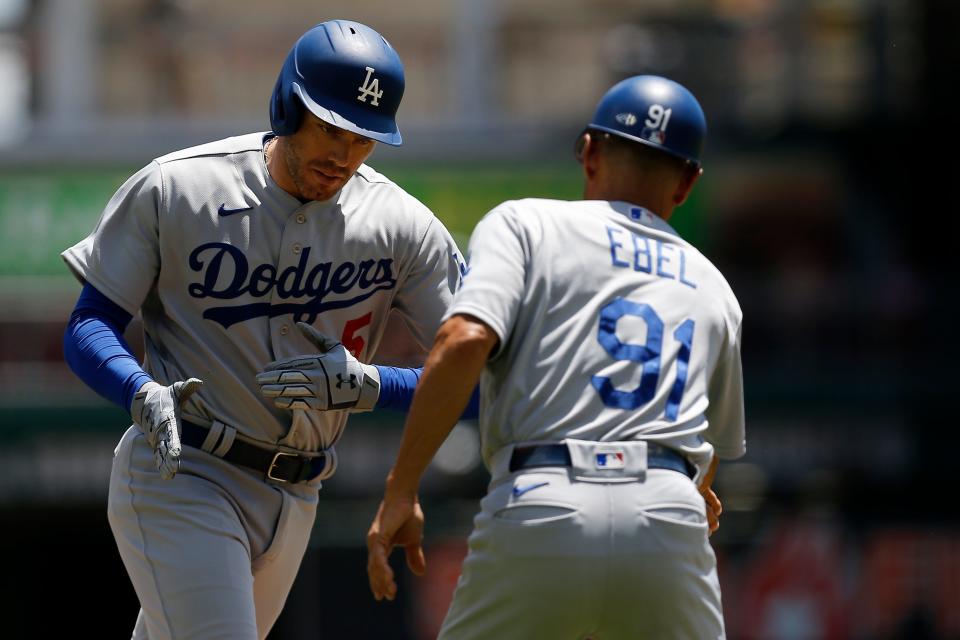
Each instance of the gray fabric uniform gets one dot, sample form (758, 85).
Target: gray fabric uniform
(614, 332)
(221, 263)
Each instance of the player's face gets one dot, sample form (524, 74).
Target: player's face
(321, 157)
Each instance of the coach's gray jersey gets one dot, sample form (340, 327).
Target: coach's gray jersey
(223, 262)
(611, 327)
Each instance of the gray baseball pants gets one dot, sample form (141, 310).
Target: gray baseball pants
(211, 553)
(575, 552)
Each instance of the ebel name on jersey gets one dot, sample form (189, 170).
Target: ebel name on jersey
(226, 275)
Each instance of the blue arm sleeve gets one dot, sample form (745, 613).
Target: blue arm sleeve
(94, 347)
(398, 384)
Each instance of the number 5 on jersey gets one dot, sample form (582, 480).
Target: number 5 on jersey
(648, 355)
(351, 341)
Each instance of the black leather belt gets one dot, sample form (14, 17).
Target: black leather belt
(282, 466)
(557, 455)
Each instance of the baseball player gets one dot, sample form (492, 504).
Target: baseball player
(222, 249)
(608, 353)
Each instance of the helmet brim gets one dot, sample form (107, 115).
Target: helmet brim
(330, 116)
(652, 145)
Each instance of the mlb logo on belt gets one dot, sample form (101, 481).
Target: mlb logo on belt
(611, 459)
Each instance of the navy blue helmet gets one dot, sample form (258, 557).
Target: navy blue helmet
(347, 75)
(654, 111)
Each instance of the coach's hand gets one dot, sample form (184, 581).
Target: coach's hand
(714, 508)
(399, 522)
(331, 379)
(155, 410)
(710, 499)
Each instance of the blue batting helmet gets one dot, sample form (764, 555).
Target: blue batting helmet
(654, 111)
(347, 75)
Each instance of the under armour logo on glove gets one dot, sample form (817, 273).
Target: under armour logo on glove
(352, 381)
(332, 379)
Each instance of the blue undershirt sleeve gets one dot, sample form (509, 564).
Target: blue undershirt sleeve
(96, 352)
(397, 385)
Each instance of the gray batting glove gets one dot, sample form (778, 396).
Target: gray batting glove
(330, 380)
(154, 409)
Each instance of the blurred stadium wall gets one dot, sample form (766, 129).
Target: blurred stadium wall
(826, 201)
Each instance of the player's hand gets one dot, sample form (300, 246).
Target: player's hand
(155, 410)
(399, 522)
(331, 379)
(714, 508)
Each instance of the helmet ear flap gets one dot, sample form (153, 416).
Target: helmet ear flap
(285, 108)
(277, 112)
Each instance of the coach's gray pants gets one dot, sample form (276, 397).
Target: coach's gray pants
(574, 555)
(211, 553)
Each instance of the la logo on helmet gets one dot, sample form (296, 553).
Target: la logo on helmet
(371, 89)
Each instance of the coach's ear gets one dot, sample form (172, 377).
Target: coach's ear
(691, 173)
(586, 154)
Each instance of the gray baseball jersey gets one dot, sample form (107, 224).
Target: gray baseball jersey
(611, 327)
(223, 262)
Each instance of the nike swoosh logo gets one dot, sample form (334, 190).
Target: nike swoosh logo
(519, 491)
(223, 211)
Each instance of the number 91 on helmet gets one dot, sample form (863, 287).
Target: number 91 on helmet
(653, 111)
